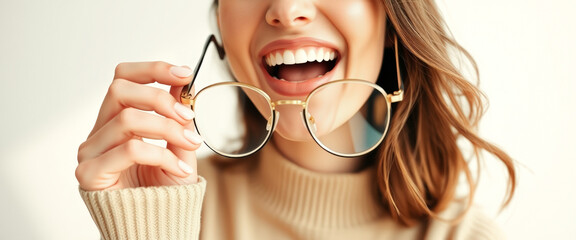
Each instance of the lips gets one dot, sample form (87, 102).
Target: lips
(296, 67)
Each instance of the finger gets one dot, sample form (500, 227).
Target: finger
(149, 72)
(126, 94)
(104, 171)
(132, 122)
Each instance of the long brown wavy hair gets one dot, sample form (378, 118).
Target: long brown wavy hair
(419, 163)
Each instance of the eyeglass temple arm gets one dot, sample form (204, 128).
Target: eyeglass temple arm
(185, 94)
(397, 96)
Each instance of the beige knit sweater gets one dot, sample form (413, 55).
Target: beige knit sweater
(267, 197)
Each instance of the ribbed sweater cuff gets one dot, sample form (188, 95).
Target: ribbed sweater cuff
(169, 212)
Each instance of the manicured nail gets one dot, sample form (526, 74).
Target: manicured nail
(184, 111)
(192, 137)
(181, 71)
(185, 167)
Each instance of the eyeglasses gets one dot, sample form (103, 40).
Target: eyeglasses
(347, 118)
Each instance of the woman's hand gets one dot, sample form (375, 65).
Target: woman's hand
(115, 156)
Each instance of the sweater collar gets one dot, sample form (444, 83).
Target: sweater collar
(304, 197)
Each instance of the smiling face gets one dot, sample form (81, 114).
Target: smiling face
(289, 47)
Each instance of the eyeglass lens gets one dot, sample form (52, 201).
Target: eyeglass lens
(228, 121)
(347, 118)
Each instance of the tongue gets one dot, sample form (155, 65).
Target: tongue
(302, 72)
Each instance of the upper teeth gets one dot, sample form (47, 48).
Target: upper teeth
(297, 56)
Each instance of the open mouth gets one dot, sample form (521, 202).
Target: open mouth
(301, 64)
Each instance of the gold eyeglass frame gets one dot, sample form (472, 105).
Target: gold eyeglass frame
(188, 99)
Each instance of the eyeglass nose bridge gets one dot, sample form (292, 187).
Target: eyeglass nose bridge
(309, 120)
(288, 102)
(271, 125)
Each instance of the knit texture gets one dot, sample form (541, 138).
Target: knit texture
(269, 197)
(171, 212)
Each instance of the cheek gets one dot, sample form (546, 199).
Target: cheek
(362, 24)
(237, 23)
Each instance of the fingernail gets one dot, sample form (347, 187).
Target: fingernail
(185, 167)
(184, 111)
(181, 71)
(192, 137)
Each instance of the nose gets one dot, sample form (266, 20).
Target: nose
(290, 13)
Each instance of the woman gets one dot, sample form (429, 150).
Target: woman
(293, 187)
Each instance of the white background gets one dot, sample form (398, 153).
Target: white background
(57, 59)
